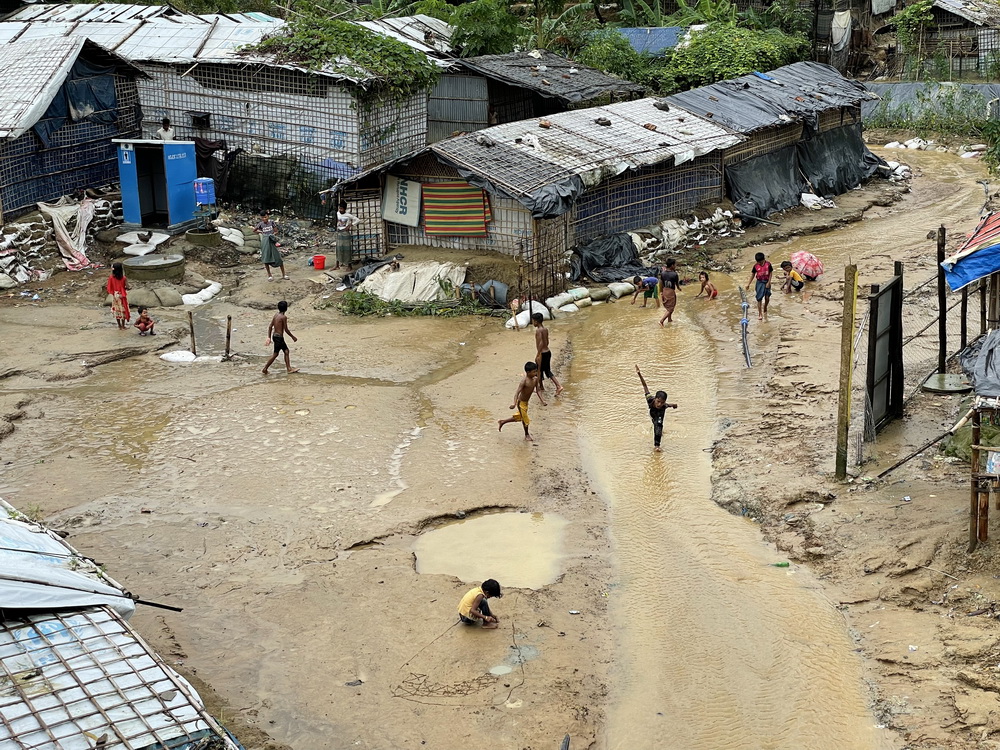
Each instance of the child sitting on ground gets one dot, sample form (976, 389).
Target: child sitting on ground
(707, 287)
(793, 281)
(145, 323)
(473, 606)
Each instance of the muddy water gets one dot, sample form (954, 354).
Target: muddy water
(524, 550)
(716, 648)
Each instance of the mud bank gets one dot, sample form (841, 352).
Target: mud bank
(898, 573)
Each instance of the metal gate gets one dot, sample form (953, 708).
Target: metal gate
(884, 383)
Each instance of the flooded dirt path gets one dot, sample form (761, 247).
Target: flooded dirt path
(716, 648)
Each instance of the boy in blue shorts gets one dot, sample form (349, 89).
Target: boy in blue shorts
(761, 274)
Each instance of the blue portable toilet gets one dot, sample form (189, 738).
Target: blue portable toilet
(157, 182)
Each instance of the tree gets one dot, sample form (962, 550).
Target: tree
(485, 27)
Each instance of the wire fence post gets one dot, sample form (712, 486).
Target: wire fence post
(846, 368)
(744, 323)
(942, 303)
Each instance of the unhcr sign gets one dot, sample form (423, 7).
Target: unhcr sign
(401, 201)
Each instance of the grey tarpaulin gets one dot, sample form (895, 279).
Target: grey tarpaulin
(610, 258)
(836, 161)
(88, 94)
(482, 293)
(796, 92)
(765, 184)
(353, 279)
(986, 374)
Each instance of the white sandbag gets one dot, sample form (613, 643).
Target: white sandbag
(971, 154)
(234, 236)
(178, 356)
(893, 144)
(570, 308)
(140, 249)
(578, 293)
(213, 288)
(559, 300)
(600, 293)
(637, 241)
(523, 320)
(621, 289)
(537, 307)
(585, 302)
(132, 238)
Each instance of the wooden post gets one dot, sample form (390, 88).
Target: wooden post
(964, 324)
(993, 304)
(974, 496)
(229, 333)
(982, 307)
(846, 365)
(942, 303)
(194, 348)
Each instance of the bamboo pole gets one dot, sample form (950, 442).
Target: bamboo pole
(846, 361)
(974, 495)
(229, 333)
(194, 348)
(942, 304)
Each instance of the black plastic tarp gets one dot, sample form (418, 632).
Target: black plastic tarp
(609, 258)
(986, 373)
(88, 94)
(836, 161)
(796, 92)
(765, 184)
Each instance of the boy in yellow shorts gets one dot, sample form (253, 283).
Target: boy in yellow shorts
(528, 385)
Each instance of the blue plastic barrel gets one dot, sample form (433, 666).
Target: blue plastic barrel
(204, 191)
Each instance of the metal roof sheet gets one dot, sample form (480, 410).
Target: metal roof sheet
(981, 12)
(525, 157)
(32, 73)
(103, 12)
(551, 76)
(652, 40)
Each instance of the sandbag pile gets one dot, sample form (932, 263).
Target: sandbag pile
(673, 235)
(107, 214)
(570, 301)
(23, 248)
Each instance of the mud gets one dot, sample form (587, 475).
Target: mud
(282, 514)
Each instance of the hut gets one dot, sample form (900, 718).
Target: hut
(803, 128)
(61, 102)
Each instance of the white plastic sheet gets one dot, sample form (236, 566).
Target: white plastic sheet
(414, 282)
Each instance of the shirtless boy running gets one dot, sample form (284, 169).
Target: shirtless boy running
(276, 333)
(527, 386)
(543, 357)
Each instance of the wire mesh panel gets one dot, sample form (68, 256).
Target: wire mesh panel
(764, 141)
(544, 265)
(367, 236)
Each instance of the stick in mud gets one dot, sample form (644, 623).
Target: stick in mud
(194, 348)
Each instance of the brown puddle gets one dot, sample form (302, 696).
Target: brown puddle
(520, 550)
(715, 648)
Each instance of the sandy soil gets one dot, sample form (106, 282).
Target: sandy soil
(282, 514)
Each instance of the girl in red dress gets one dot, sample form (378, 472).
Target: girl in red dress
(117, 287)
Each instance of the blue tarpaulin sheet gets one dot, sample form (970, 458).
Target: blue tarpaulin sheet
(977, 258)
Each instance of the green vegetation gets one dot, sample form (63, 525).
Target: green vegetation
(363, 304)
(942, 108)
(315, 41)
(485, 27)
(911, 23)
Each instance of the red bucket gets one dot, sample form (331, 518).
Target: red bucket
(319, 262)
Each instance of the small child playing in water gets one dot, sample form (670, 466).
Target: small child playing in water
(145, 323)
(793, 281)
(473, 606)
(647, 285)
(527, 385)
(657, 409)
(707, 287)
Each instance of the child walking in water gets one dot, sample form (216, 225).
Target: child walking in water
(707, 287)
(527, 385)
(474, 608)
(543, 357)
(657, 409)
(761, 274)
(117, 287)
(276, 333)
(145, 323)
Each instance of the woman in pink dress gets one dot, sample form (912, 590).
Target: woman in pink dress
(117, 287)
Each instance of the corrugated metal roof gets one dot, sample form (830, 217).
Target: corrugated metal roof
(525, 156)
(981, 13)
(32, 73)
(427, 34)
(652, 40)
(551, 76)
(103, 12)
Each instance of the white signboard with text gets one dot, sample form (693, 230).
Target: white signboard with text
(401, 201)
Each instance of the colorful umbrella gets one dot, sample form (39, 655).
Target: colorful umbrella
(807, 264)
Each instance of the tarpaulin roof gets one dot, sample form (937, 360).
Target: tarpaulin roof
(38, 570)
(184, 38)
(85, 679)
(551, 76)
(977, 258)
(793, 93)
(652, 40)
(546, 169)
(32, 73)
